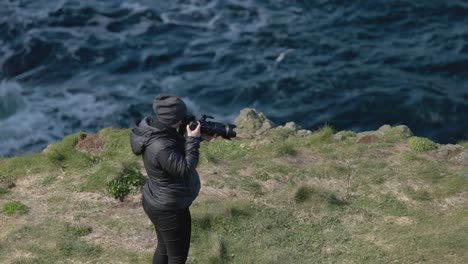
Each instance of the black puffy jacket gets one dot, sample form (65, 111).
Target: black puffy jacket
(170, 161)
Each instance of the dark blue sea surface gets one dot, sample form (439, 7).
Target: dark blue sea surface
(69, 66)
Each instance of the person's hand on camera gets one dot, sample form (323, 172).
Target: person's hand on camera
(195, 132)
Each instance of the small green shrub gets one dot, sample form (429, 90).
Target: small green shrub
(127, 180)
(420, 144)
(13, 207)
(92, 159)
(322, 135)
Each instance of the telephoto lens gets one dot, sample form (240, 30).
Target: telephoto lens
(210, 128)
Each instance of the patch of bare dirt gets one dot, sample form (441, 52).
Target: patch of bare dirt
(208, 192)
(378, 241)
(270, 185)
(396, 188)
(401, 221)
(454, 202)
(338, 186)
(367, 139)
(302, 157)
(127, 228)
(91, 143)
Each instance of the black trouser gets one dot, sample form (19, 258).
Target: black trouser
(173, 229)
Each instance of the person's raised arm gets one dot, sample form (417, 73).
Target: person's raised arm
(177, 164)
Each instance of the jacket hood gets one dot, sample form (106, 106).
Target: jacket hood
(146, 130)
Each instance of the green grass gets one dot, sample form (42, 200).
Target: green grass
(321, 136)
(14, 207)
(316, 195)
(333, 202)
(224, 150)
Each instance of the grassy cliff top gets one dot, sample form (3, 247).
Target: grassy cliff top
(271, 195)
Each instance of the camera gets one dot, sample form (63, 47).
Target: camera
(208, 127)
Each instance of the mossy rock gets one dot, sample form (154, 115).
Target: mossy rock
(251, 121)
(420, 144)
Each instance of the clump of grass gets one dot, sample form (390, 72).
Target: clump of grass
(71, 246)
(219, 251)
(116, 142)
(64, 155)
(420, 195)
(252, 187)
(93, 159)
(302, 194)
(14, 168)
(3, 191)
(127, 180)
(98, 180)
(49, 179)
(409, 156)
(262, 175)
(60, 152)
(281, 149)
(237, 211)
(203, 222)
(78, 230)
(420, 144)
(14, 207)
(56, 157)
(323, 135)
(6, 182)
(310, 193)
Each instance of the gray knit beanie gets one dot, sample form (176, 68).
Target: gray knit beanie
(169, 108)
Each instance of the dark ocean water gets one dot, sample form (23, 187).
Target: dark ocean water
(69, 66)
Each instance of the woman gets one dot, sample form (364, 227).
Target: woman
(170, 161)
